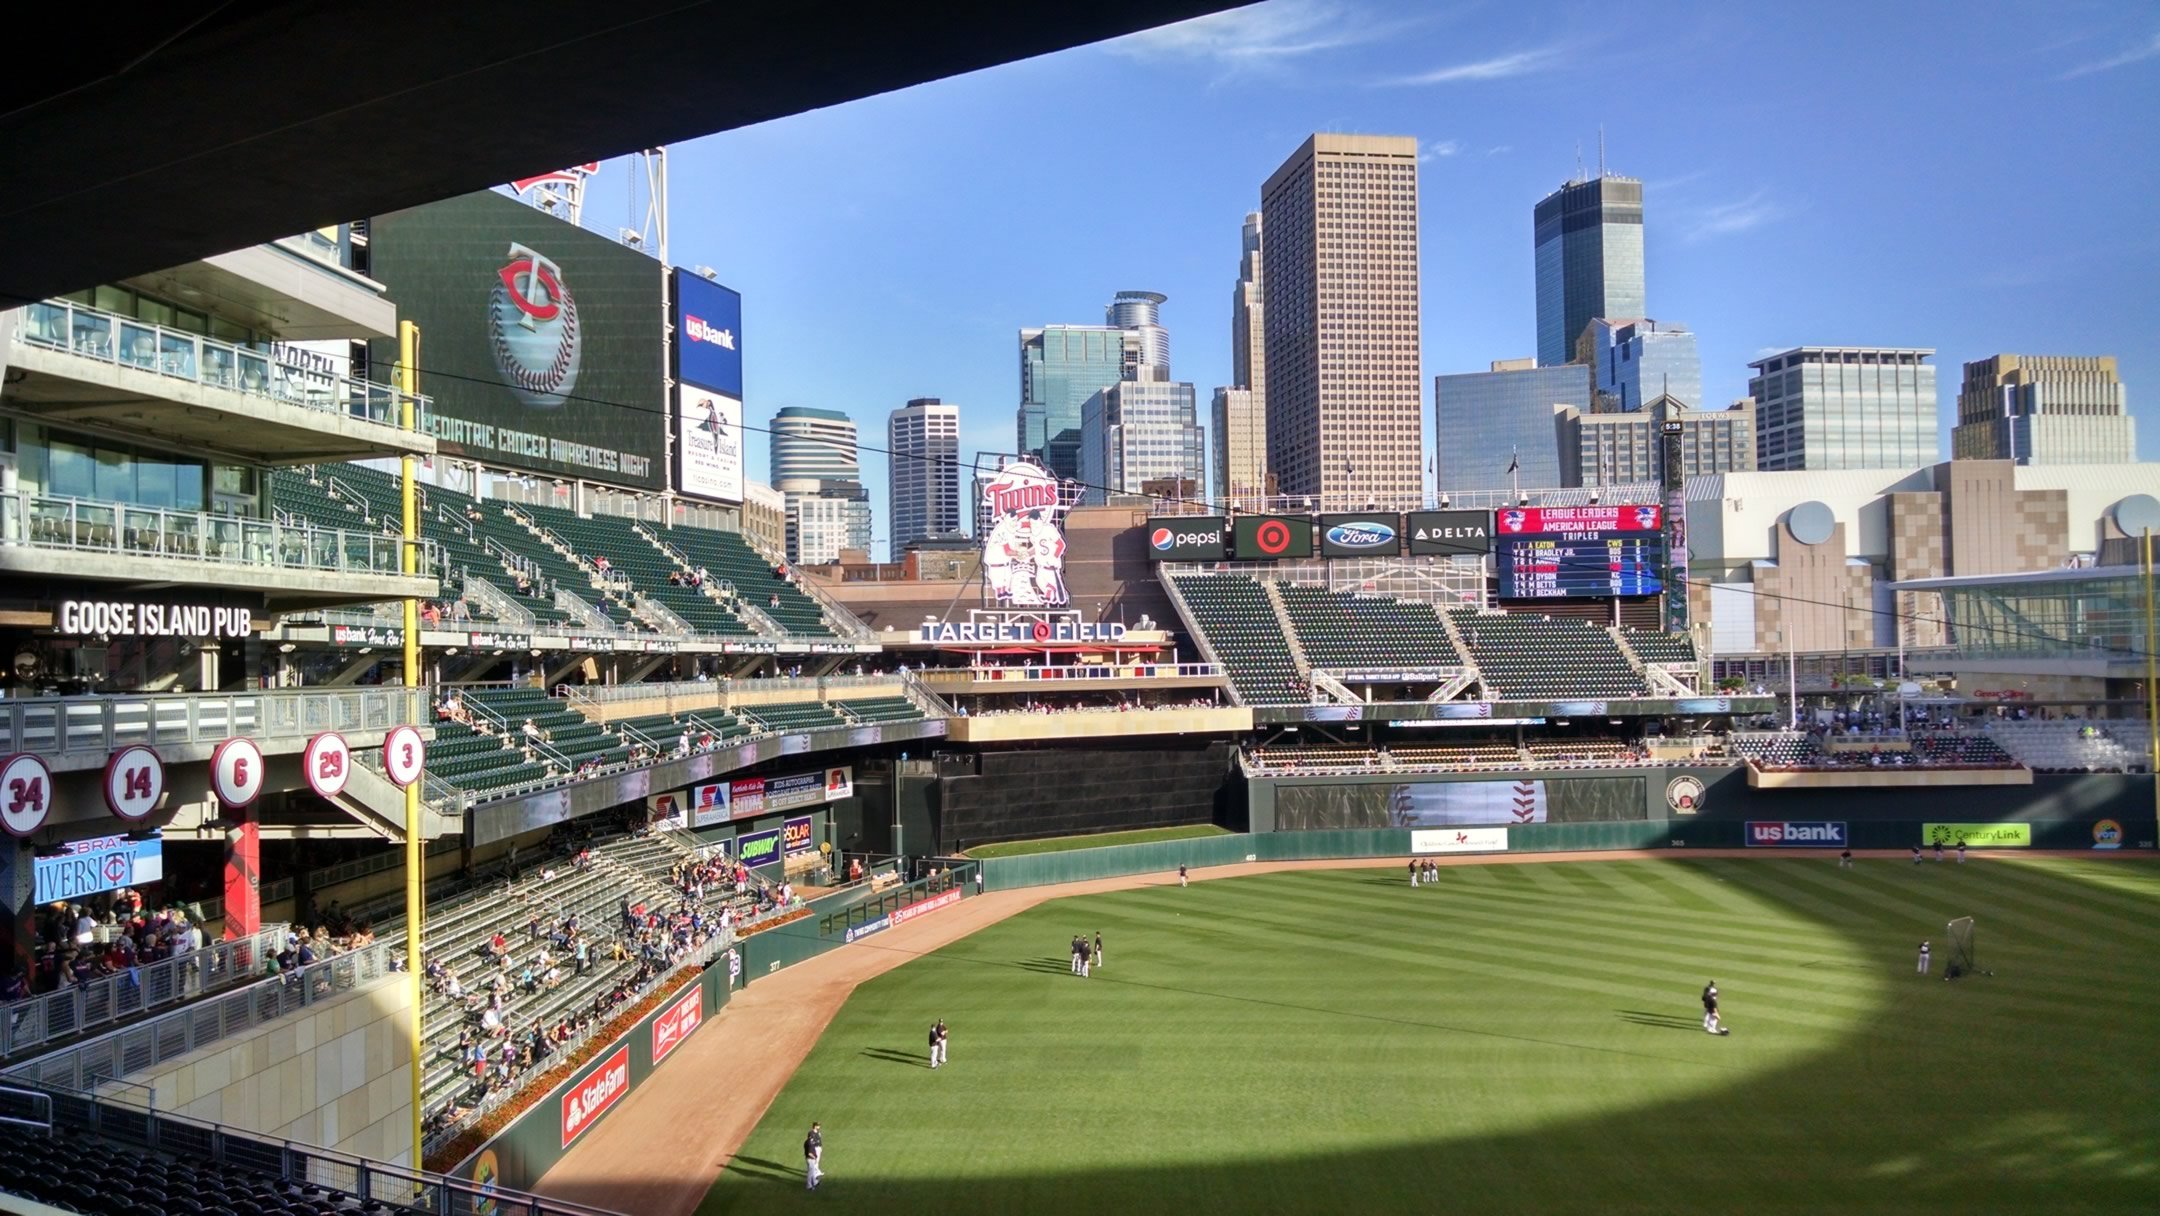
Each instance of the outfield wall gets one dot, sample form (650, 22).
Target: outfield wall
(1023, 795)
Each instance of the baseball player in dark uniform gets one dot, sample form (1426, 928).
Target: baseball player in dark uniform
(1181, 873)
(1413, 873)
(1098, 947)
(1844, 860)
(1709, 1010)
(813, 1152)
(934, 1041)
(1925, 958)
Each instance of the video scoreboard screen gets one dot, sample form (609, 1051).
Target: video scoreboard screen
(1543, 553)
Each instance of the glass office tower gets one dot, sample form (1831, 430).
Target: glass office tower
(1589, 242)
(1061, 366)
(1845, 407)
(1638, 361)
(1484, 420)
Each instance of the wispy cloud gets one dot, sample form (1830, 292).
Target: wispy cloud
(1499, 67)
(1258, 36)
(1500, 149)
(1436, 148)
(2150, 50)
(1726, 219)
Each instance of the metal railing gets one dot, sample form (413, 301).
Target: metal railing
(105, 337)
(29, 1024)
(1085, 672)
(119, 1054)
(708, 691)
(84, 525)
(99, 724)
(83, 1115)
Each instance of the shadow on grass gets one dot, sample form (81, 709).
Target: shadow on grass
(1047, 966)
(915, 1059)
(1664, 1021)
(759, 1167)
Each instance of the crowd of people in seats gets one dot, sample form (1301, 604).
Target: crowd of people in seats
(992, 707)
(78, 944)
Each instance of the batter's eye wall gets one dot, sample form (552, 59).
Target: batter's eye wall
(1023, 795)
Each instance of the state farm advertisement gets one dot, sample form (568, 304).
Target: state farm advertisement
(679, 1022)
(1458, 840)
(590, 1098)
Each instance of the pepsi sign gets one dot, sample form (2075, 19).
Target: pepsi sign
(1361, 535)
(1786, 834)
(1187, 538)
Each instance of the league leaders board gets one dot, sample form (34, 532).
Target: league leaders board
(1542, 553)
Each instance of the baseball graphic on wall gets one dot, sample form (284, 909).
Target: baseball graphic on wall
(533, 330)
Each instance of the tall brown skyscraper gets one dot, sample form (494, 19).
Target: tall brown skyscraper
(1340, 261)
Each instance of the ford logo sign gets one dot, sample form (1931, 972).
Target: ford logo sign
(1360, 535)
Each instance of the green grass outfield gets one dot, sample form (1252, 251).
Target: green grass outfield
(1525, 1038)
(1064, 844)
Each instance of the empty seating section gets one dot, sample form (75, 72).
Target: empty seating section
(1534, 658)
(799, 715)
(630, 555)
(880, 709)
(1315, 757)
(1776, 749)
(1660, 647)
(729, 557)
(1341, 631)
(127, 1182)
(481, 763)
(1246, 635)
(1458, 755)
(1960, 751)
(575, 737)
(2071, 746)
(1580, 751)
(1797, 749)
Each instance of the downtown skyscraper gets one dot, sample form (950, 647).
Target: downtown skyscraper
(814, 465)
(1340, 267)
(922, 492)
(1589, 246)
(1061, 366)
(1239, 422)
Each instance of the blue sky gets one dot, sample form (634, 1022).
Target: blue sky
(1975, 178)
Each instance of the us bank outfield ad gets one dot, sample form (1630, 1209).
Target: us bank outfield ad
(709, 389)
(540, 343)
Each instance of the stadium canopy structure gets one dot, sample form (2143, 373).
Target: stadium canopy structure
(188, 131)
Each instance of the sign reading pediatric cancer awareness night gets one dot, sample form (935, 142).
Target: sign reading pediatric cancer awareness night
(1558, 552)
(1023, 554)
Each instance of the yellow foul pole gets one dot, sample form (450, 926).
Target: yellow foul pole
(415, 874)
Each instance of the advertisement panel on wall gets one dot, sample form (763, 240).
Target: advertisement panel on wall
(797, 835)
(1449, 533)
(1790, 834)
(540, 341)
(104, 863)
(1452, 804)
(756, 849)
(1458, 840)
(1188, 538)
(1978, 835)
(709, 389)
(1361, 535)
(710, 804)
(749, 797)
(708, 444)
(1266, 538)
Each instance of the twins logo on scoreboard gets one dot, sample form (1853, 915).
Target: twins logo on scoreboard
(1787, 834)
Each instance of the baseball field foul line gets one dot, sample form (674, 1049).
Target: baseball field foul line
(661, 1151)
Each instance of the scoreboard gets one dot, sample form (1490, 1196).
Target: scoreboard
(1544, 553)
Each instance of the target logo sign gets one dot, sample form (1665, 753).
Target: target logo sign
(236, 773)
(25, 793)
(404, 755)
(134, 783)
(1273, 537)
(328, 764)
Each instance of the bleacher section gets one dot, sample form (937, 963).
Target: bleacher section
(480, 763)
(630, 555)
(626, 871)
(792, 716)
(880, 709)
(1534, 658)
(1578, 751)
(1341, 631)
(1659, 647)
(1246, 635)
(566, 731)
(727, 556)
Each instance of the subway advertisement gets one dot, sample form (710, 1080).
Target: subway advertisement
(541, 344)
(709, 389)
